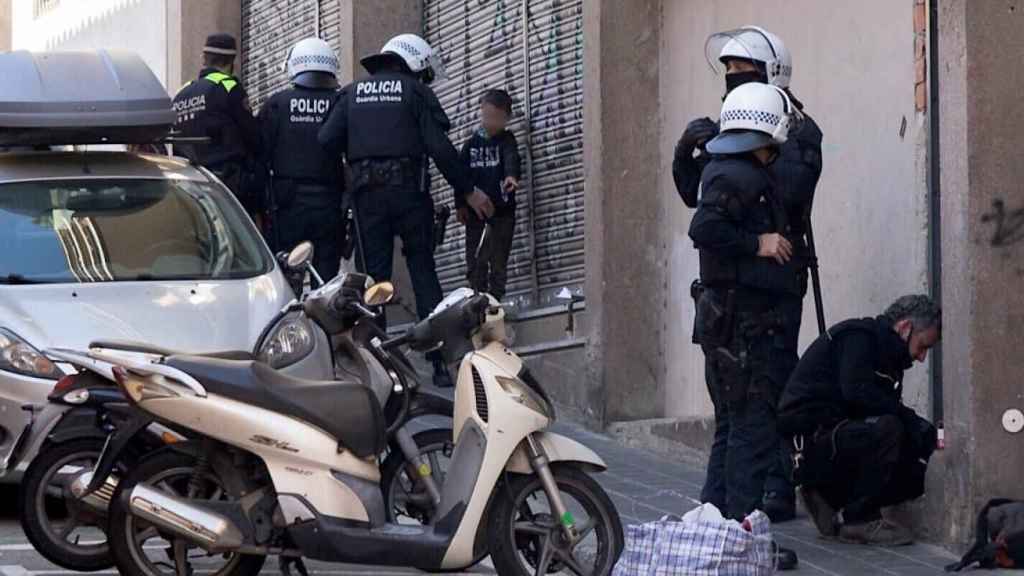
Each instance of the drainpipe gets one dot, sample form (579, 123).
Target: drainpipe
(934, 197)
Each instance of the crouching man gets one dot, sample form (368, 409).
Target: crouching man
(857, 447)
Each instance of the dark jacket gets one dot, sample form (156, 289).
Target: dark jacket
(490, 161)
(215, 106)
(393, 116)
(796, 174)
(739, 203)
(853, 371)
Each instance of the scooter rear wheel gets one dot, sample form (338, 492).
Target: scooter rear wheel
(139, 549)
(525, 538)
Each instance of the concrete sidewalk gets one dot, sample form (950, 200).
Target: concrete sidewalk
(646, 487)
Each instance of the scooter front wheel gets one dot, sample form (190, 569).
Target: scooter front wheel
(65, 531)
(525, 538)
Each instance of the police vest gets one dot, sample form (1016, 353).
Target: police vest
(294, 117)
(383, 119)
(201, 107)
(739, 187)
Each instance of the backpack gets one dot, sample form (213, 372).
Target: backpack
(999, 537)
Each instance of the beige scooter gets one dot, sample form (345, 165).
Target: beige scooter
(296, 474)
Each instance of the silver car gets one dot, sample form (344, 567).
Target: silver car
(119, 246)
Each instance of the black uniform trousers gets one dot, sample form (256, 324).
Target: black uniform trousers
(862, 466)
(309, 212)
(489, 272)
(388, 210)
(745, 378)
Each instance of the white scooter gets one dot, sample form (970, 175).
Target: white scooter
(297, 475)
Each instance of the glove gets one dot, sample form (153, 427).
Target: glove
(696, 134)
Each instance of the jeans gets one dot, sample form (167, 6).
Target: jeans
(489, 272)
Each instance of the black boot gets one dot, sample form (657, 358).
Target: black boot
(785, 559)
(780, 507)
(442, 379)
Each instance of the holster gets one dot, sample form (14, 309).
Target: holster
(441, 215)
(348, 233)
(713, 319)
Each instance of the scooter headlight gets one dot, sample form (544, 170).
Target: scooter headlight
(20, 357)
(291, 341)
(527, 396)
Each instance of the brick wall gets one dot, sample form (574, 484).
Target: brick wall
(921, 55)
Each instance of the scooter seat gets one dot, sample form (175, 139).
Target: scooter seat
(348, 411)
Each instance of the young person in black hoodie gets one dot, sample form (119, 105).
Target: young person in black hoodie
(492, 155)
(858, 447)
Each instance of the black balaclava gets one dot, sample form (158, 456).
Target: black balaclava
(737, 79)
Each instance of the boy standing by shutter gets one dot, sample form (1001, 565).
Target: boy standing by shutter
(492, 155)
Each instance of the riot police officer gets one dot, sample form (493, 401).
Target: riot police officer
(746, 270)
(216, 106)
(306, 182)
(386, 126)
(751, 54)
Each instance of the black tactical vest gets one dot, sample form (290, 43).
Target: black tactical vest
(295, 117)
(383, 120)
(738, 186)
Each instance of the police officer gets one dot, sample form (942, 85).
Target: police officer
(215, 105)
(386, 126)
(305, 181)
(751, 54)
(745, 271)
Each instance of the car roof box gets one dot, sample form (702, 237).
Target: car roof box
(86, 97)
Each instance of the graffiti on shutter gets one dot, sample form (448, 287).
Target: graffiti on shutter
(270, 28)
(482, 44)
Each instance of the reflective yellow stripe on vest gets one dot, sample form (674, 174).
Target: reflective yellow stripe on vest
(223, 79)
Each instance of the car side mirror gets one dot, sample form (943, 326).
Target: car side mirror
(379, 294)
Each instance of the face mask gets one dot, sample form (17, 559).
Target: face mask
(740, 78)
(906, 360)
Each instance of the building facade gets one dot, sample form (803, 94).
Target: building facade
(920, 190)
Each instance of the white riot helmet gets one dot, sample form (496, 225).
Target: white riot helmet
(312, 63)
(754, 115)
(755, 44)
(417, 54)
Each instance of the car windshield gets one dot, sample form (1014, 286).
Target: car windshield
(122, 230)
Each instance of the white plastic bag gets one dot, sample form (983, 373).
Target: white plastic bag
(703, 543)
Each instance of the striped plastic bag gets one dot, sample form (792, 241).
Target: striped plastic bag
(702, 543)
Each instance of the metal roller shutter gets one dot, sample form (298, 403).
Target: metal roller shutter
(483, 47)
(270, 28)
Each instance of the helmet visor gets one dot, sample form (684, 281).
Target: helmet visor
(437, 65)
(739, 43)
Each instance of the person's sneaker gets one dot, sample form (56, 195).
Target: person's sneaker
(879, 532)
(785, 559)
(442, 379)
(822, 514)
(779, 507)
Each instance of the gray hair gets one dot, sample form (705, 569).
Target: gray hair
(921, 310)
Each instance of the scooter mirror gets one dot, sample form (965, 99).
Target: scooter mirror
(379, 294)
(300, 256)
